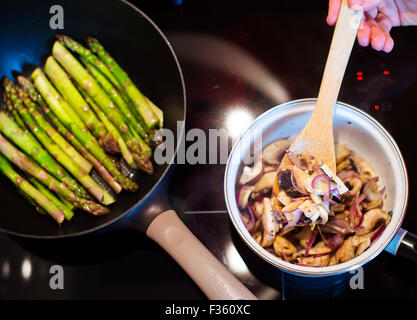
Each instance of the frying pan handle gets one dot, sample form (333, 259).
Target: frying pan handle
(208, 273)
(404, 244)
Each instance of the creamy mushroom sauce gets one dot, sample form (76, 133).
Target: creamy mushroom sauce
(303, 215)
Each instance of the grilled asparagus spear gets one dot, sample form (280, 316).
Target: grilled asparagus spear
(25, 164)
(82, 176)
(86, 81)
(60, 204)
(23, 138)
(30, 191)
(30, 89)
(61, 81)
(127, 155)
(122, 77)
(49, 93)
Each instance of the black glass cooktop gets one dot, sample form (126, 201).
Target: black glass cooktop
(239, 59)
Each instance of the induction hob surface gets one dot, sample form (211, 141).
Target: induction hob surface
(238, 60)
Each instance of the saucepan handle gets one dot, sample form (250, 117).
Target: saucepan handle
(208, 273)
(404, 244)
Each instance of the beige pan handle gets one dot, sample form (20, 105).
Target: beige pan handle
(208, 273)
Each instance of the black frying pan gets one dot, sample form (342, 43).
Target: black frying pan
(142, 49)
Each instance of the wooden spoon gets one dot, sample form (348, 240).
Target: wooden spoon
(316, 138)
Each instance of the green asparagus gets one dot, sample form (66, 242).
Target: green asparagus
(82, 176)
(50, 95)
(10, 108)
(23, 138)
(30, 89)
(66, 210)
(53, 134)
(89, 56)
(25, 164)
(127, 155)
(61, 81)
(116, 98)
(86, 81)
(133, 92)
(30, 191)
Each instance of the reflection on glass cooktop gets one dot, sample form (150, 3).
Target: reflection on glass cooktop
(238, 61)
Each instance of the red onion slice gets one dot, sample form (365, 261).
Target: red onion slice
(337, 225)
(297, 215)
(378, 233)
(293, 158)
(322, 177)
(355, 211)
(294, 184)
(346, 174)
(336, 241)
(241, 202)
(250, 226)
(310, 243)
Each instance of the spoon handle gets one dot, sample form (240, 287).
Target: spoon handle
(343, 39)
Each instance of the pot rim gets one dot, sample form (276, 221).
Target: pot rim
(348, 266)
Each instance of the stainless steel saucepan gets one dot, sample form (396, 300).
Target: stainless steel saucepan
(362, 134)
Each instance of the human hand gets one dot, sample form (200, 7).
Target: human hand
(379, 17)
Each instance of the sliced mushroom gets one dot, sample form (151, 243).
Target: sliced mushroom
(347, 251)
(370, 220)
(314, 211)
(257, 225)
(275, 151)
(257, 237)
(265, 182)
(283, 246)
(285, 184)
(365, 169)
(315, 261)
(343, 215)
(251, 173)
(342, 152)
(269, 224)
(338, 207)
(289, 209)
(319, 248)
(354, 184)
(373, 204)
(333, 260)
(300, 178)
(304, 236)
(258, 208)
(371, 190)
(283, 198)
(362, 243)
(342, 165)
(243, 196)
(283, 232)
